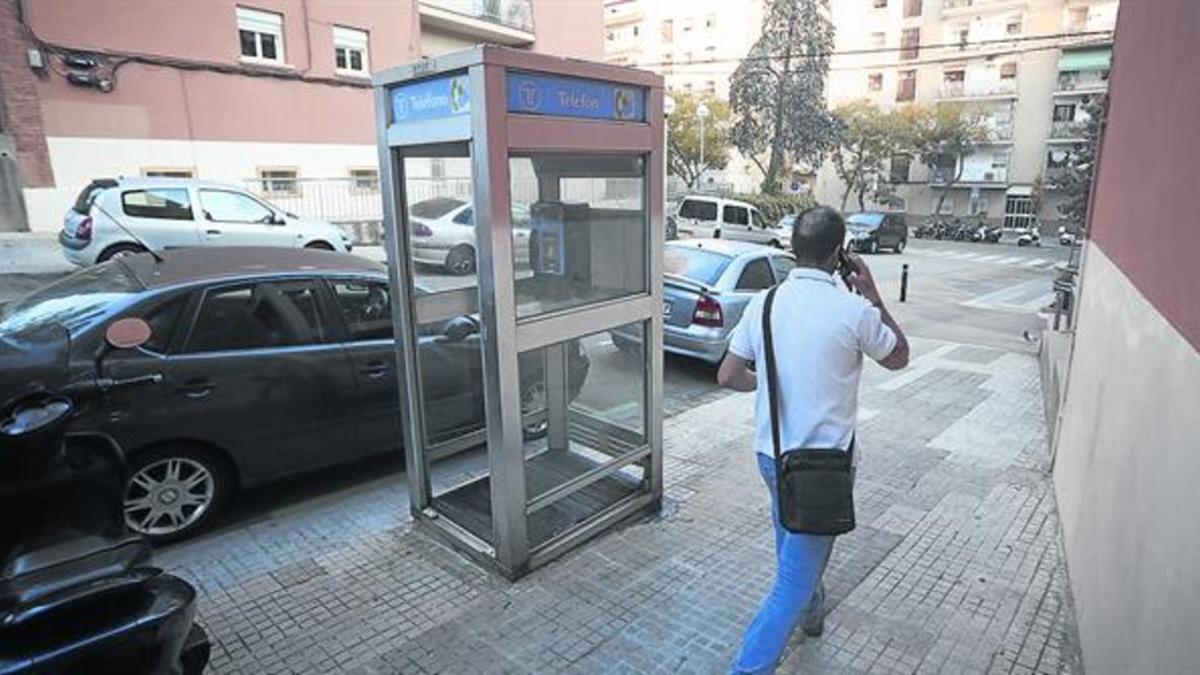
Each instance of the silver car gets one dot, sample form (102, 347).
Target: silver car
(707, 284)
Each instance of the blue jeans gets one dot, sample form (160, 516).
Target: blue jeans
(800, 561)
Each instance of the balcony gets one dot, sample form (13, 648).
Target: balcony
(1002, 88)
(1071, 130)
(970, 176)
(505, 22)
(954, 6)
(1000, 132)
(1082, 82)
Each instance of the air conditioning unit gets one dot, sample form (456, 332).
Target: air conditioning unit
(989, 175)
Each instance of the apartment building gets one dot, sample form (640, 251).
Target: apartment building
(1030, 65)
(695, 46)
(273, 94)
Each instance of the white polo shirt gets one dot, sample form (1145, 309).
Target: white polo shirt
(821, 332)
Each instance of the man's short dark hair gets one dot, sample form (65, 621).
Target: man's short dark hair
(818, 232)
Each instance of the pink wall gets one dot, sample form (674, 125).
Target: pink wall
(1146, 206)
(574, 28)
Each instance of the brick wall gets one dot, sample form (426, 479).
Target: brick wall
(20, 110)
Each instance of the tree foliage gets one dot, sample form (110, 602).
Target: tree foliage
(941, 135)
(1074, 181)
(867, 139)
(683, 137)
(777, 94)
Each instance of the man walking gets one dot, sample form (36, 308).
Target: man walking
(820, 333)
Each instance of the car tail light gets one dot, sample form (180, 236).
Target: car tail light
(708, 312)
(420, 229)
(84, 229)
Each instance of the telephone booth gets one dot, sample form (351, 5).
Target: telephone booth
(523, 199)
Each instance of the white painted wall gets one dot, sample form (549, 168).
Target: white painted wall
(1128, 458)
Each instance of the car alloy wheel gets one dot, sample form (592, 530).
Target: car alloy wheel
(168, 496)
(900, 246)
(533, 400)
(461, 260)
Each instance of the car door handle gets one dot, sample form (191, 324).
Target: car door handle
(213, 233)
(199, 387)
(374, 369)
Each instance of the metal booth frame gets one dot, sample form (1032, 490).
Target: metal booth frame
(493, 134)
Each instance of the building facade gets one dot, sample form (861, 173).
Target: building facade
(1028, 65)
(1127, 435)
(271, 94)
(695, 46)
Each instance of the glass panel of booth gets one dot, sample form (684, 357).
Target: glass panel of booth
(589, 449)
(585, 238)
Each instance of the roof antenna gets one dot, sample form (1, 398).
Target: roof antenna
(142, 242)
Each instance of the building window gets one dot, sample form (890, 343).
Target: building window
(437, 168)
(1064, 112)
(687, 24)
(1008, 71)
(879, 4)
(350, 51)
(875, 82)
(1013, 26)
(260, 34)
(365, 179)
(1018, 211)
(276, 180)
(899, 170)
(906, 86)
(912, 8)
(711, 86)
(877, 40)
(910, 43)
(168, 172)
(947, 207)
(977, 205)
(668, 30)
(961, 35)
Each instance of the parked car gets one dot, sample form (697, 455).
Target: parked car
(706, 286)
(443, 233)
(869, 231)
(701, 216)
(116, 217)
(274, 362)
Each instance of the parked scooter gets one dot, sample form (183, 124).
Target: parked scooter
(77, 591)
(1029, 236)
(992, 235)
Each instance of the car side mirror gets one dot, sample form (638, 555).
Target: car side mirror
(460, 328)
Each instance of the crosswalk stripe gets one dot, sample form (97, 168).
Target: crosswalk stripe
(1035, 262)
(1009, 261)
(967, 256)
(988, 258)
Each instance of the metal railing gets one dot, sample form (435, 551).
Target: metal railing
(1069, 129)
(941, 176)
(1000, 131)
(516, 14)
(961, 89)
(1075, 80)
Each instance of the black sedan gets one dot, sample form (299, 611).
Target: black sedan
(274, 362)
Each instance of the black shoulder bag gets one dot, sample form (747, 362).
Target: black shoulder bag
(815, 486)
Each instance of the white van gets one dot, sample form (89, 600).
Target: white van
(705, 217)
(116, 217)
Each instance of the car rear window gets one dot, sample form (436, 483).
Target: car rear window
(435, 208)
(83, 203)
(699, 209)
(864, 221)
(74, 301)
(695, 264)
(162, 203)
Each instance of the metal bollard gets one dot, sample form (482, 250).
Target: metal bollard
(904, 282)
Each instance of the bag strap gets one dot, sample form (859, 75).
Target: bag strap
(772, 386)
(772, 377)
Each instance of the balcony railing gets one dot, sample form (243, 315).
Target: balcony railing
(1068, 129)
(1000, 131)
(941, 176)
(962, 4)
(960, 89)
(515, 14)
(1088, 80)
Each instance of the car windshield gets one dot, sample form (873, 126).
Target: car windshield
(859, 222)
(435, 208)
(695, 264)
(786, 222)
(72, 302)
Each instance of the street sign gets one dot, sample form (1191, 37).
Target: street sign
(431, 99)
(575, 97)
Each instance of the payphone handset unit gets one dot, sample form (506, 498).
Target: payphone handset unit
(560, 247)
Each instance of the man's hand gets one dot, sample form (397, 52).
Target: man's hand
(735, 373)
(862, 280)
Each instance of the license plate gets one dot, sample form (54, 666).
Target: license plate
(666, 309)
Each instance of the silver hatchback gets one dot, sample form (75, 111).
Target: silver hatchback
(707, 284)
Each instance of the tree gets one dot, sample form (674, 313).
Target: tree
(942, 136)
(683, 137)
(867, 139)
(777, 94)
(1074, 181)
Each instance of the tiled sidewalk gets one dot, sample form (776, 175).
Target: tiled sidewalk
(954, 568)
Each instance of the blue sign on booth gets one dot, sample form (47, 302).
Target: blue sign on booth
(573, 97)
(431, 99)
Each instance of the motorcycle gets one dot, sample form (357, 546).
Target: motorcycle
(78, 593)
(1029, 236)
(992, 235)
